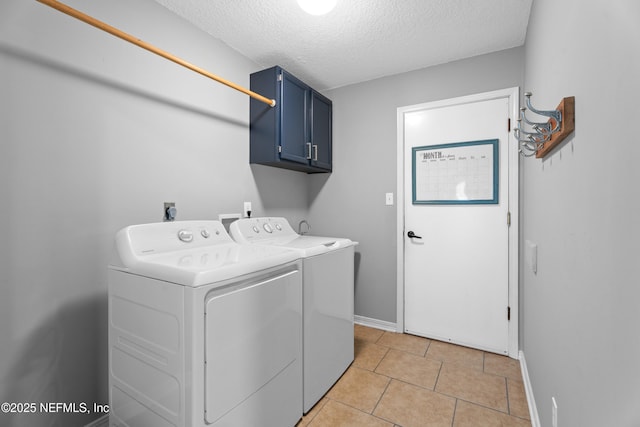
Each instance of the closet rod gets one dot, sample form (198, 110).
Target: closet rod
(127, 37)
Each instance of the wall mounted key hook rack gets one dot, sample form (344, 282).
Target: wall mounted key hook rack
(544, 136)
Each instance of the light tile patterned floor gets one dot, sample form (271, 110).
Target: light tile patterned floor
(400, 380)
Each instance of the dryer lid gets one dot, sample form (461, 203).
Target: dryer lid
(276, 231)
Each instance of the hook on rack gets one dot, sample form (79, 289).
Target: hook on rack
(544, 135)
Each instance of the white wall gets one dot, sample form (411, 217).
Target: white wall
(95, 134)
(351, 201)
(580, 205)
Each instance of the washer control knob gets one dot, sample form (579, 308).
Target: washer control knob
(256, 229)
(267, 228)
(205, 233)
(185, 236)
(278, 226)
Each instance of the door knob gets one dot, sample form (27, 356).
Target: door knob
(413, 235)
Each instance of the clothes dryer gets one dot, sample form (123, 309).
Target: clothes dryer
(203, 331)
(328, 280)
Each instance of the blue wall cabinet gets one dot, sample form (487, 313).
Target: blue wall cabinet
(296, 133)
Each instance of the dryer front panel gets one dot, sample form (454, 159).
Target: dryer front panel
(253, 351)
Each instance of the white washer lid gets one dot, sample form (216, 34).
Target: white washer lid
(207, 256)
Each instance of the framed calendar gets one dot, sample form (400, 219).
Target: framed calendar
(456, 173)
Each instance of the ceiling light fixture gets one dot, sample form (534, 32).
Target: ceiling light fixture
(317, 7)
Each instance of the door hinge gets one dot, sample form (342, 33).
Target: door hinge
(509, 125)
(280, 77)
(508, 313)
(508, 219)
(279, 148)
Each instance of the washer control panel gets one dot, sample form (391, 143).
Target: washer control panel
(247, 230)
(138, 241)
(196, 232)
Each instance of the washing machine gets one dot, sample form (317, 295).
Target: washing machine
(328, 280)
(203, 331)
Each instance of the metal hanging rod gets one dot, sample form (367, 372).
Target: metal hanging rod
(127, 37)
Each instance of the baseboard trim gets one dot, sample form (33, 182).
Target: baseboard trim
(533, 409)
(375, 323)
(103, 421)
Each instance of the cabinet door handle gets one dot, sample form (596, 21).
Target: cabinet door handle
(315, 152)
(308, 151)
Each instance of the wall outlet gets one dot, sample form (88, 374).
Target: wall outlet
(170, 211)
(554, 412)
(389, 199)
(246, 212)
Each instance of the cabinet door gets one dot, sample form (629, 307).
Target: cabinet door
(294, 120)
(321, 109)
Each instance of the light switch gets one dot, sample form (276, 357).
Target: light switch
(389, 199)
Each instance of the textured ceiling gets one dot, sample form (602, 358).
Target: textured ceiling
(360, 39)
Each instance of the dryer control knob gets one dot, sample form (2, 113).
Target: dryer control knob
(256, 229)
(267, 228)
(205, 233)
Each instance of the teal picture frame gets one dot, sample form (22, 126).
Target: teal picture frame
(474, 181)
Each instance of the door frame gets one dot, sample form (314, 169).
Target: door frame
(513, 96)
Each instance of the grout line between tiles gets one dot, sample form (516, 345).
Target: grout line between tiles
(481, 405)
(381, 359)
(429, 341)
(438, 376)
(455, 409)
(506, 386)
(358, 409)
(418, 386)
(381, 395)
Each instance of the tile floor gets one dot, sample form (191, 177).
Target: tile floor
(400, 380)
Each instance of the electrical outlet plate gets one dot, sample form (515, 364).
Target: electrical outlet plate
(169, 213)
(247, 208)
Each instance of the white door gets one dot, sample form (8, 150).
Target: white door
(456, 271)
